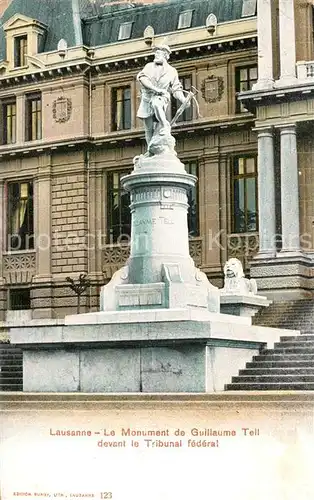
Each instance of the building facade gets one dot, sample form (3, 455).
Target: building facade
(282, 100)
(69, 131)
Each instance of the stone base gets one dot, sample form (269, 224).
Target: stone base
(285, 277)
(179, 350)
(242, 305)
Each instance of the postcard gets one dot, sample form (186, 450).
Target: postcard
(239, 446)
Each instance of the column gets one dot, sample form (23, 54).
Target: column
(265, 46)
(287, 42)
(266, 193)
(290, 218)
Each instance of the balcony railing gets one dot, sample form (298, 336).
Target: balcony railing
(305, 70)
(19, 267)
(243, 246)
(115, 256)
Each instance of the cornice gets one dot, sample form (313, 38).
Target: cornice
(120, 62)
(255, 98)
(122, 139)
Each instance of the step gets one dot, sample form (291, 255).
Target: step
(280, 364)
(302, 337)
(9, 380)
(273, 378)
(11, 362)
(307, 344)
(12, 354)
(289, 350)
(11, 387)
(275, 386)
(11, 368)
(284, 357)
(293, 370)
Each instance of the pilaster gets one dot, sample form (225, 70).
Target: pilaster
(42, 285)
(20, 120)
(211, 204)
(287, 43)
(265, 45)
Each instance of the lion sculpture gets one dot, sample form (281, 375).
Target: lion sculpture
(235, 281)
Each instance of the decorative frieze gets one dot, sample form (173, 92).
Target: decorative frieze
(159, 194)
(196, 251)
(243, 246)
(19, 267)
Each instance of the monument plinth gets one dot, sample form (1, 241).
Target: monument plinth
(159, 328)
(160, 272)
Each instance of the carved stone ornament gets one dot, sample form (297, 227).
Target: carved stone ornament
(212, 88)
(62, 109)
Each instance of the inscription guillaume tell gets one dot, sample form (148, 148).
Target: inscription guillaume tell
(158, 438)
(153, 221)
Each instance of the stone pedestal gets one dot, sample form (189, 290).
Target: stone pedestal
(178, 350)
(159, 272)
(160, 327)
(242, 305)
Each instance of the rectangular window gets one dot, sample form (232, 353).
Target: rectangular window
(20, 216)
(9, 122)
(20, 51)
(187, 114)
(19, 299)
(121, 108)
(125, 30)
(118, 208)
(191, 167)
(33, 118)
(244, 194)
(248, 8)
(185, 19)
(245, 79)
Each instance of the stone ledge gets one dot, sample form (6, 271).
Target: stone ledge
(123, 334)
(34, 401)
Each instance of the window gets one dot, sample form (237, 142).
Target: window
(248, 8)
(9, 122)
(125, 31)
(20, 216)
(187, 114)
(118, 208)
(193, 218)
(185, 19)
(121, 108)
(245, 79)
(19, 298)
(33, 118)
(244, 194)
(20, 51)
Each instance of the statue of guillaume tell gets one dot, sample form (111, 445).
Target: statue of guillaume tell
(159, 80)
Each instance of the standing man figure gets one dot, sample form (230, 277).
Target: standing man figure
(158, 81)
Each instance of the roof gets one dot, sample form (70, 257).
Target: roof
(56, 14)
(96, 22)
(163, 17)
